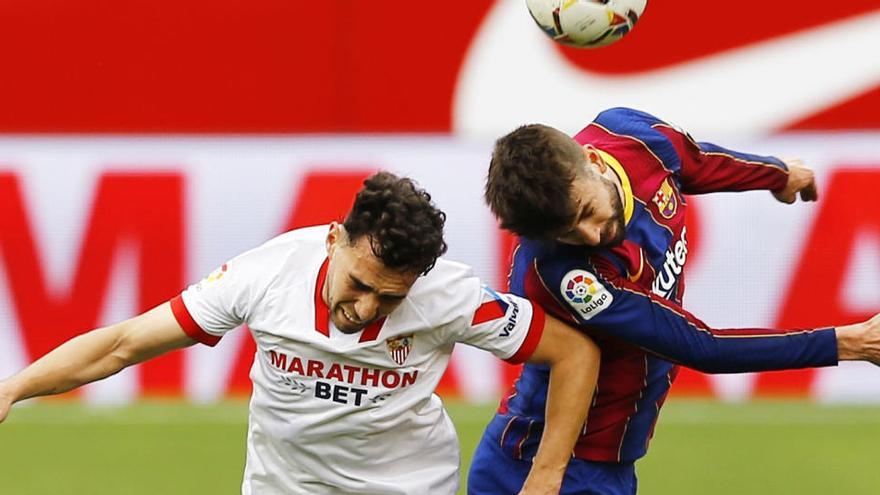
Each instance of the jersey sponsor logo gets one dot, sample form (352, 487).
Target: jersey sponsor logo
(673, 264)
(665, 199)
(495, 306)
(399, 347)
(511, 321)
(583, 292)
(327, 377)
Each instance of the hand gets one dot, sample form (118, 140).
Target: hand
(800, 180)
(860, 341)
(5, 403)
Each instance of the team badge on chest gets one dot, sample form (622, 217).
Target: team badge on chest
(665, 199)
(399, 348)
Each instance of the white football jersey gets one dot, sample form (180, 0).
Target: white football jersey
(350, 413)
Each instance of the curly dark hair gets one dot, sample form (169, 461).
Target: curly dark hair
(530, 178)
(404, 227)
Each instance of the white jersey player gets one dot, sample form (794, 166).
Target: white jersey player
(352, 340)
(350, 412)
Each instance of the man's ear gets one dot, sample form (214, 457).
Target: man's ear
(593, 158)
(335, 235)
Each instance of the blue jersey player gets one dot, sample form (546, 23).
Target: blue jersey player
(604, 247)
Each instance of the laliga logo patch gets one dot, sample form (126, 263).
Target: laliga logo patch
(665, 199)
(216, 274)
(584, 293)
(213, 278)
(399, 347)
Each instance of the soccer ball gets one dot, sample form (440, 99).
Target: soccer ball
(586, 23)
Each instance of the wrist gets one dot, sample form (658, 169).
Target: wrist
(849, 342)
(9, 391)
(547, 473)
(542, 482)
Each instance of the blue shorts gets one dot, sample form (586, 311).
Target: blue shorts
(494, 472)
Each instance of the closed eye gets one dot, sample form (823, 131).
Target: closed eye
(391, 299)
(588, 211)
(360, 286)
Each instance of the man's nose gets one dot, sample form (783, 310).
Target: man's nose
(590, 234)
(367, 307)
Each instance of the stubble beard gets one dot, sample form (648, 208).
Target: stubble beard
(615, 230)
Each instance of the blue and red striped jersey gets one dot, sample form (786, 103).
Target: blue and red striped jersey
(628, 298)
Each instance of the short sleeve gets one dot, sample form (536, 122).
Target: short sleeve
(506, 325)
(221, 301)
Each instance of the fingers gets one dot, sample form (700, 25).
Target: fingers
(810, 192)
(5, 405)
(785, 196)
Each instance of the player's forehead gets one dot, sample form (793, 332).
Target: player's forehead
(585, 191)
(367, 268)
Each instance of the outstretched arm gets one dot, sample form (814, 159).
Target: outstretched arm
(632, 313)
(574, 369)
(95, 355)
(706, 168)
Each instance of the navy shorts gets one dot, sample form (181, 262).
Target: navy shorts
(494, 472)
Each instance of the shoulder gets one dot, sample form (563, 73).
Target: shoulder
(449, 291)
(304, 238)
(444, 281)
(282, 259)
(625, 132)
(557, 267)
(622, 118)
(569, 281)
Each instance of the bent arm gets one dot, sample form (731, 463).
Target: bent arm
(574, 370)
(707, 168)
(95, 355)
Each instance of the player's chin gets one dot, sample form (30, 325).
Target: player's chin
(344, 324)
(613, 238)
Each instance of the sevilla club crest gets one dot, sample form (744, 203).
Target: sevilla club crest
(399, 347)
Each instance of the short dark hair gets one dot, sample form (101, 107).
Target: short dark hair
(529, 183)
(404, 227)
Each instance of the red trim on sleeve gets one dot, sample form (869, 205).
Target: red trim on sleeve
(189, 325)
(530, 343)
(322, 312)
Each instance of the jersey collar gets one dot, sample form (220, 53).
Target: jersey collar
(624, 183)
(322, 311)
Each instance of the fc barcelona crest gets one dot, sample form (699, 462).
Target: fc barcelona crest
(665, 199)
(399, 347)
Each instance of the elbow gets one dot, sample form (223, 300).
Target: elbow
(703, 367)
(581, 349)
(122, 352)
(705, 355)
(710, 363)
